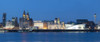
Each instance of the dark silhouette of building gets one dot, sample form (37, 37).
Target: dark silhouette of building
(91, 25)
(81, 21)
(31, 22)
(29, 19)
(4, 19)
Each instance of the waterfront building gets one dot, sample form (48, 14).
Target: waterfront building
(9, 25)
(75, 26)
(56, 24)
(48, 25)
(25, 23)
(4, 19)
(45, 25)
(91, 25)
(38, 24)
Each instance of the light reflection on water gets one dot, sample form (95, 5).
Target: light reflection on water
(50, 37)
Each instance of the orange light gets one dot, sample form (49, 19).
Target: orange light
(44, 28)
(27, 18)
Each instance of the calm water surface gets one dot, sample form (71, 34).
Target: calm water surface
(50, 37)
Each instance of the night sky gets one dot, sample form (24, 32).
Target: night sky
(66, 10)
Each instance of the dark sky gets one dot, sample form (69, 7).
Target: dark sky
(66, 10)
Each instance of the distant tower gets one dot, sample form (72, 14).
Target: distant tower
(24, 14)
(57, 21)
(95, 17)
(4, 19)
(27, 16)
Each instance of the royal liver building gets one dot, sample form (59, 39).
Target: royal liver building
(25, 22)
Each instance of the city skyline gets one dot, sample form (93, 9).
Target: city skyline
(66, 10)
(27, 23)
(48, 19)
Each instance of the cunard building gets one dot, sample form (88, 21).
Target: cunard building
(25, 22)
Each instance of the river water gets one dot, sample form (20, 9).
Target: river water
(50, 37)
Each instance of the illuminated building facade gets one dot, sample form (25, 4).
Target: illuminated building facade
(9, 25)
(48, 25)
(45, 25)
(75, 26)
(56, 24)
(98, 26)
(38, 24)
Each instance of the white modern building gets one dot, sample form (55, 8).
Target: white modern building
(98, 26)
(74, 27)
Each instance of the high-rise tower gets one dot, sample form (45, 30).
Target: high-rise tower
(95, 17)
(4, 19)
